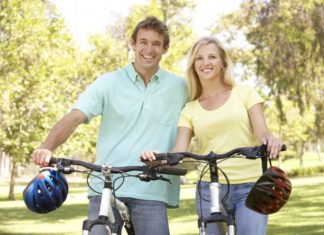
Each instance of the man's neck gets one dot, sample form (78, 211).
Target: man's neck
(145, 74)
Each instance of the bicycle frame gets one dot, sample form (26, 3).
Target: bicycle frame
(106, 213)
(216, 215)
(108, 200)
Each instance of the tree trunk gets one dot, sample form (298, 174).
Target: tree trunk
(301, 157)
(11, 195)
(318, 149)
(280, 137)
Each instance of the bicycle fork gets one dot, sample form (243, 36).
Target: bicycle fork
(215, 208)
(106, 215)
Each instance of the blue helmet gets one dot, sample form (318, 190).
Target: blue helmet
(46, 192)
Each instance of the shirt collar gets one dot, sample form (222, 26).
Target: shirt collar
(134, 76)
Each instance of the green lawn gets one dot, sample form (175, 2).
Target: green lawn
(303, 214)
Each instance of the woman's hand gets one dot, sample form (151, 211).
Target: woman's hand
(148, 158)
(148, 155)
(274, 145)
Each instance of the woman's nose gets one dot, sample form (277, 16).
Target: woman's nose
(206, 61)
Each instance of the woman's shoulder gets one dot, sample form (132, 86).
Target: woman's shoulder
(244, 90)
(190, 105)
(243, 87)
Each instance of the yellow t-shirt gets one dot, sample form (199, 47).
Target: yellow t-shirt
(224, 129)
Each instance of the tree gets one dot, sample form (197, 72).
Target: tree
(37, 70)
(295, 131)
(285, 51)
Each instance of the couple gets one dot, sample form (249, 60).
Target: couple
(141, 106)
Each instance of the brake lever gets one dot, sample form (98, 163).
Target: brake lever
(164, 179)
(65, 169)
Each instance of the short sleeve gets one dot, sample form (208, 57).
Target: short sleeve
(251, 97)
(91, 101)
(185, 119)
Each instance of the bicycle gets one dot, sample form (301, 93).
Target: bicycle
(108, 200)
(219, 212)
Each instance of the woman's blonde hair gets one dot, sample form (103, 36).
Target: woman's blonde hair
(194, 84)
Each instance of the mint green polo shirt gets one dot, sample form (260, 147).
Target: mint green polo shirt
(135, 117)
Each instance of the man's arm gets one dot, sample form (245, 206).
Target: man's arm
(61, 131)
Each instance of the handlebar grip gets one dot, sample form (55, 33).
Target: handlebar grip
(53, 160)
(283, 148)
(172, 170)
(161, 156)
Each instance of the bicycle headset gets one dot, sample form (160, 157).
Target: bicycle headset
(46, 192)
(270, 193)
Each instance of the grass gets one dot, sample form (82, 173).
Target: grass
(310, 160)
(303, 214)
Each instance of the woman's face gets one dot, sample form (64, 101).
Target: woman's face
(208, 63)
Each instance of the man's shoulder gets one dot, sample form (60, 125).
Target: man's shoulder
(110, 76)
(175, 78)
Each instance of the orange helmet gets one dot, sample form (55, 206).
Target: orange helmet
(270, 193)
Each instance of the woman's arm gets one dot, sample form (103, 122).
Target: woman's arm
(183, 139)
(262, 132)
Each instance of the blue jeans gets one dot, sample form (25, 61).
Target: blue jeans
(247, 221)
(148, 217)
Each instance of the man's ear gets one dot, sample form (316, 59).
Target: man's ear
(165, 50)
(132, 43)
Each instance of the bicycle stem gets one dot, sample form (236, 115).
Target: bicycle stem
(214, 187)
(105, 205)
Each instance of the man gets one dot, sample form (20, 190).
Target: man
(139, 107)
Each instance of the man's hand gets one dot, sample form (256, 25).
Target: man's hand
(42, 157)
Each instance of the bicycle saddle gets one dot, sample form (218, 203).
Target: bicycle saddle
(270, 193)
(46, 192)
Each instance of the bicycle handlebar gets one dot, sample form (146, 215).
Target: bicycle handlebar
(66, 162)
(247, 152)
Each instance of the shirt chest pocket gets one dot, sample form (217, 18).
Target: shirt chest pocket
(166, 112)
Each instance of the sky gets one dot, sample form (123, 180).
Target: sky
(92, 16)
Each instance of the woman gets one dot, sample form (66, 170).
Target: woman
(223, 116)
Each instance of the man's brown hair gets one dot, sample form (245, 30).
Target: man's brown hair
(151, 22)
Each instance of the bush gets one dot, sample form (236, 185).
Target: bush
(307, 171)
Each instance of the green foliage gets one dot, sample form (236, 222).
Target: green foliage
(285, 53)
(307, 171)
(36, 61)
(287, 48)
(296, 128)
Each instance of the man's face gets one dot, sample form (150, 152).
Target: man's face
(148, 48)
